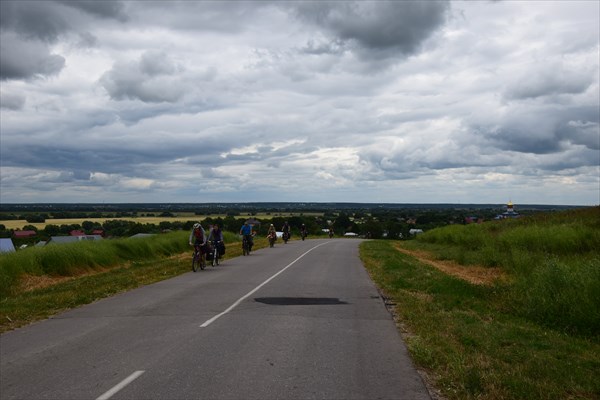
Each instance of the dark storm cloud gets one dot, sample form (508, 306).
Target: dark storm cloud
(543, 130)
(46, 20)
(25, 59)
(28, 28)
(380, 29)
(580, 126)
(40, 20)
(111, 9)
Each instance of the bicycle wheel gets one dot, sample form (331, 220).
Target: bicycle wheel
(195, 262)
(216, 258)
(202, 261)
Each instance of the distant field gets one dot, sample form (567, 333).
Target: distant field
(20, 223)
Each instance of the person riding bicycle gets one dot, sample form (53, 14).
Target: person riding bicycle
(246, 232)
(215, 237)
(286, 230)
(272, 234)
(303, 231)
(199, 237)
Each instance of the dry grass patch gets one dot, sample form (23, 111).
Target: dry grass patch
(473, 274)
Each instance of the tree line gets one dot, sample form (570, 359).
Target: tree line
(376, 223)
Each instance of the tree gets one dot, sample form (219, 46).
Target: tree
(33, 218)
(372, 229)
(66, 229)
(89, 226)
(342, 223)
(230, 224)
(52, 230)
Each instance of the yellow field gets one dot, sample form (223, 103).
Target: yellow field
(20, 223)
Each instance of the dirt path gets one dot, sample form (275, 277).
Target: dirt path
(474, 274)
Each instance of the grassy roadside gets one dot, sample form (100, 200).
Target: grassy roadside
(471, 344)
(25, 305)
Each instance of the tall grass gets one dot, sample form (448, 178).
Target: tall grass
(552, 258)
(563, 296)
(80, 257)
(472, 343)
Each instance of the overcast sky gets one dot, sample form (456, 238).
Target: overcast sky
(370, 101)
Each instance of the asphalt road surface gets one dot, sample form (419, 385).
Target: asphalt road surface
(301, 320)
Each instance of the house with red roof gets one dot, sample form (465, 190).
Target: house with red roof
(24, 234)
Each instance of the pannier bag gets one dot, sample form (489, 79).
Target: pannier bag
(207, 249)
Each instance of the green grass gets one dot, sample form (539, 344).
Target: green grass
(472, 343)
(552, 260)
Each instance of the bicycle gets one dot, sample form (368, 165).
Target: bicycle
(245, 246)
(198, 258)
(272, 238)
(303, 234)
(215, 253)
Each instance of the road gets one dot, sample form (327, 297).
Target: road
(301, 320)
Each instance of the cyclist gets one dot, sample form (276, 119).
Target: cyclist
(286, 231)
(199, 237)
(303, 232)
(272, 235)
(215, 237)
(246, 231)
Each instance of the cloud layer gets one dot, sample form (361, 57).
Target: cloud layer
(185, 101)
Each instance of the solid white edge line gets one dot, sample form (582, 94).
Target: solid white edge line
(234, 305)
(121, 385)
